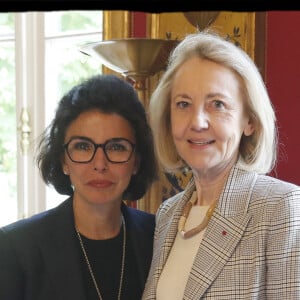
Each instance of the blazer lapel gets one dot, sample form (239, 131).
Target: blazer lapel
(223, 233)
(141, 240)
(221, 238)
(59, 249)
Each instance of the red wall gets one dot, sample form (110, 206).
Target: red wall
(283, 83)
(139, 25)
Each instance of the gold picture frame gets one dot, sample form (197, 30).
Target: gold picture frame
(239, 27)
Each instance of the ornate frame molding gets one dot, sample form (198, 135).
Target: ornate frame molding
(116, 24)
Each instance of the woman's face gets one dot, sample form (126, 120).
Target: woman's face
(208, 116)
(99, 181)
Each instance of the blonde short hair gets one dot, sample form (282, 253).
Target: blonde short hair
(257, 152)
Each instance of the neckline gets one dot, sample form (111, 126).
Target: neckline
(88, 261)
(186, 211)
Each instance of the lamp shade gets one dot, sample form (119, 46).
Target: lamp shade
(132, 56)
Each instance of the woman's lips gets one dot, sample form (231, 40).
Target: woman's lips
(202, 142)
(100, 183)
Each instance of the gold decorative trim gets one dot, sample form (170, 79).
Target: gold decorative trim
(116, 24)
(176, 26)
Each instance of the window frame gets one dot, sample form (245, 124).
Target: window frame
(30, 47)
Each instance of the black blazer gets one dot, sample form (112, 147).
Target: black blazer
(40, 256)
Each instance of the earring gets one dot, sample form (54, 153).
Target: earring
(65, 172)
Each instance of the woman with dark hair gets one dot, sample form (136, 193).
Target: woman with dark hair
(99, 151)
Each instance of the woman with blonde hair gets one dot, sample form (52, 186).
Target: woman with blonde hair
(234, 232)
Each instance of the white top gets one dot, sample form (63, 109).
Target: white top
(174, 276)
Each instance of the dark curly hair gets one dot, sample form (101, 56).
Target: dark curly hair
(108, 94)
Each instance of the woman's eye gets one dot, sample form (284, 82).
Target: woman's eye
(182, 104)
(115, 147)
(83, 146)
(219, 104)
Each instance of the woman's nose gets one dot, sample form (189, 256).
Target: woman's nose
(200, 119)
(100, 161)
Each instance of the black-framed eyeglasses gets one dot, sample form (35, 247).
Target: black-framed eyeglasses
(83, 150)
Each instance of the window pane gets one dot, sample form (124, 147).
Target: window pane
(73, 22)
(66, 65)
(6, 25)
(8, 132)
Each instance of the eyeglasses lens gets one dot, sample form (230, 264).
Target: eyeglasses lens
(116, 150)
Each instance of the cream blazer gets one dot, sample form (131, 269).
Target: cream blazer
(251, 246)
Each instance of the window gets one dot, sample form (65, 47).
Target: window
(39, 61)
(8, 164)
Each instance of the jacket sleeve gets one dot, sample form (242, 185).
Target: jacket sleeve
(283, 249)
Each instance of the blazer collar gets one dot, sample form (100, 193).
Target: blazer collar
(141, 240)
(223, 233)
(60, 249)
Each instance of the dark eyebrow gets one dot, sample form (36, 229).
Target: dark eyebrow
(81, 138)
(74, 137)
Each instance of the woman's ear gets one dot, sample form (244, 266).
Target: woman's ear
(249, 128)
(66, 169)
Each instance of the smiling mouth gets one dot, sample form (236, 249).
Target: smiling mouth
(200, 142)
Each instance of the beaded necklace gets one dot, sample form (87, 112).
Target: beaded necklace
(186, 211)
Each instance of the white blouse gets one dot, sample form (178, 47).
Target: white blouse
(174, 276)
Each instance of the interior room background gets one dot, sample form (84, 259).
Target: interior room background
(271, 38)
